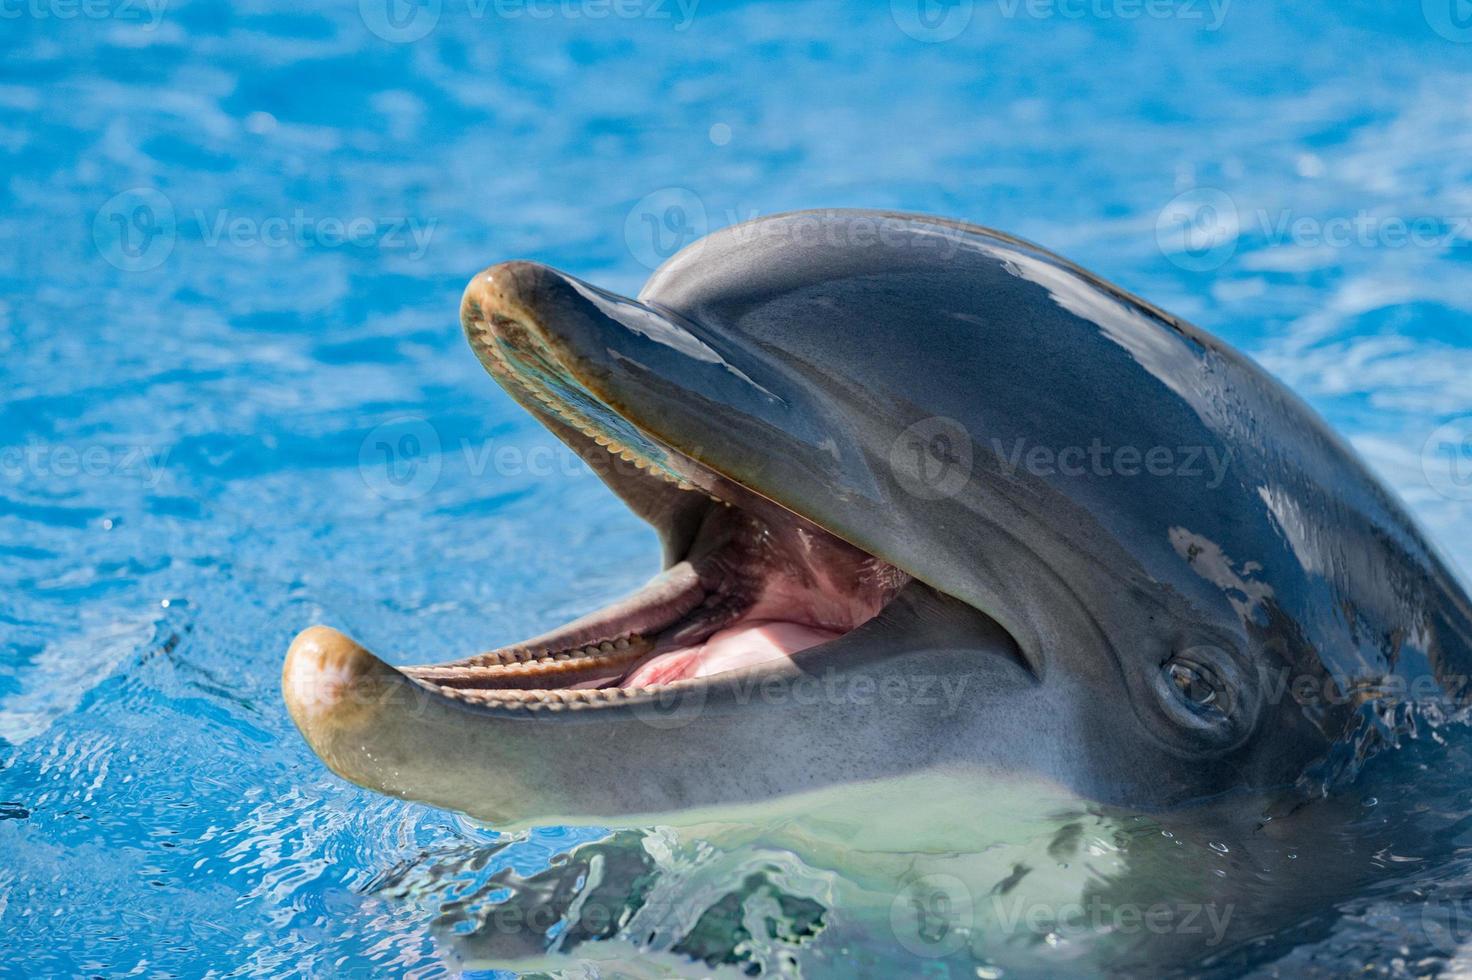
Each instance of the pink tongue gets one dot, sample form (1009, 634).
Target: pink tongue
(738, 646)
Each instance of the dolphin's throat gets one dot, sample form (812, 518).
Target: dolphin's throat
(770, 589)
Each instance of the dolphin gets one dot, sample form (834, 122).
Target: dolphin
(934, 503)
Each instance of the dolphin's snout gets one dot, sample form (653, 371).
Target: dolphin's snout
(345, 701)
(326, 671)
(507, 290)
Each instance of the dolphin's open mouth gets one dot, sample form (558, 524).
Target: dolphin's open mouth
(751, 584)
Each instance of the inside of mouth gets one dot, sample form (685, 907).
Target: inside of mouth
(756, 583)
(750, 593)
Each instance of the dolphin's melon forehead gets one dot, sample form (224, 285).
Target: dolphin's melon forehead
(829, 286)
(886, 260)
(752, 262)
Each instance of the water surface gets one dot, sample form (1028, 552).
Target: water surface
(236, 401)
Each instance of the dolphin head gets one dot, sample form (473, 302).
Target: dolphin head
(932, 500)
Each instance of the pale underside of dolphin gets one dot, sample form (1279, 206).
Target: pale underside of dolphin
(932, 500)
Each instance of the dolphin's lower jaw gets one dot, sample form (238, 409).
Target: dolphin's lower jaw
(753, 585)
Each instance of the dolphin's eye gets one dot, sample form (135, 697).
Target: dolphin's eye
(1207, 700)
(1193, 683)
(1198, 686)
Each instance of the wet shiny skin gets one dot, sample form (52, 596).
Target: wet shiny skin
(797, 363)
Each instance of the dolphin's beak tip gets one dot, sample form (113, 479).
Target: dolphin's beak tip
(515, 279)
(502, 287)
(325, 670)
(475, 301)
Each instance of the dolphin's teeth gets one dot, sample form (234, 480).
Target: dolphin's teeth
(491, 346)
(556, 699)
(522, 655)
(509, 682)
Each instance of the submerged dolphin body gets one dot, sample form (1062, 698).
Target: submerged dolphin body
(933, 501)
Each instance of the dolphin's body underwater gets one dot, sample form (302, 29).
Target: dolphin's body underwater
(933, 501)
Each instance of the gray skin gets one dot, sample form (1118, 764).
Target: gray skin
(1142, 570)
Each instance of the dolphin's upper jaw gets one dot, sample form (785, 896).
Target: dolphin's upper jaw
(753, 585)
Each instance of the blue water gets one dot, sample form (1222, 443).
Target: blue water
(236, 400)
